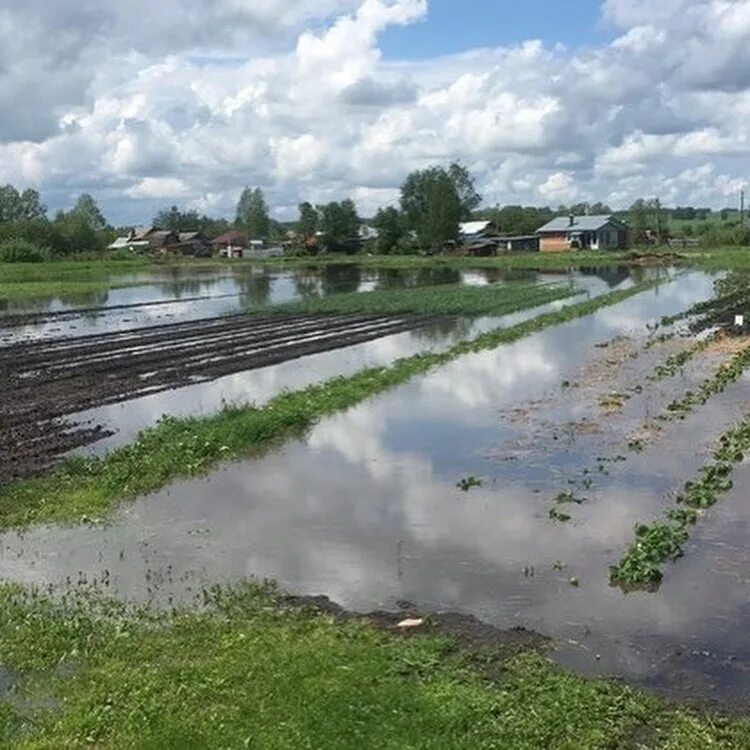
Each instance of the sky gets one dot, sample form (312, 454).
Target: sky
(184, 102)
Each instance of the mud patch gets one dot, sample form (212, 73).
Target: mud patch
(469, 633)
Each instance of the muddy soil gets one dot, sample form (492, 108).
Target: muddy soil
(43, 383)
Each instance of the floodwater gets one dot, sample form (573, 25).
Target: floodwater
(181, 294)
(258, 386)
(365, 508)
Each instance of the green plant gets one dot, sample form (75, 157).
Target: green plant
(468, 483)
(20, 251)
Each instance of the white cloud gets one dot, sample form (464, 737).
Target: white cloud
(559, 188)
(159, 187)
(298, 98)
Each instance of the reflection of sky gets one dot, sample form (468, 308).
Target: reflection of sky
(228, 290)
(258, 386)
(366, 510)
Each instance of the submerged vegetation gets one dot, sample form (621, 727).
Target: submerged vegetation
(468, 483)
(192, 446)
(496, 299)
(88, 673)
(676, 362)
(657, 543)
(728, 373)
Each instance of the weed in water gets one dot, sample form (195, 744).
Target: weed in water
(658, 543)
(558, 515)
(468, 483)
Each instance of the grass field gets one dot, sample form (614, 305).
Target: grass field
(249, 671)
(438, 300)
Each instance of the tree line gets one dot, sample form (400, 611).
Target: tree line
(425, 218)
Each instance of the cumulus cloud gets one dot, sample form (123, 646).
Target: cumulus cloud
(117, 99)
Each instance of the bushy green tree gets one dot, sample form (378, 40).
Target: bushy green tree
(307, 225)
(88, 210)
(25, 206)
(638, 218)
(252, 213)
(339, 224)
(432, 206)
(391, 229)
(463, 182)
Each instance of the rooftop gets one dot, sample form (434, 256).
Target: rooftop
(580, 223)
(474, 227)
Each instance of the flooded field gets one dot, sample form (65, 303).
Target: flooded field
(439, 493)
(184, 294)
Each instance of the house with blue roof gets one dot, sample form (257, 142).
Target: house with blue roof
(583, 233)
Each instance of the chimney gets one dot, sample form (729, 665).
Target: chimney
(572, 220)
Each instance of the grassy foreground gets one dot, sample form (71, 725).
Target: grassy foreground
(250, 672)
(496, 299)
(192, 446)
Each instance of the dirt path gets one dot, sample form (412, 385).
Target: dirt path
(44, 382)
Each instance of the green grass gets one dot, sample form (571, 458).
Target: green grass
(249, 672)
(69, 278)
(193, 446)
(519, 260)
(496, 299)
(642, 564)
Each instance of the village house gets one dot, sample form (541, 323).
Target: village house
(583, 233)
(477, 238)
(164, 241)
(231, 244)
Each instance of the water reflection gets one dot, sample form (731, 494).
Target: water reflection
(178, 293)
(366, 510)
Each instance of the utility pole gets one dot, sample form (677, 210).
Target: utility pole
(742, 209)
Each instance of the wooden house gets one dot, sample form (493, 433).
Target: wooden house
(583, 233)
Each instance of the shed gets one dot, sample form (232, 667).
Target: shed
(522, 243)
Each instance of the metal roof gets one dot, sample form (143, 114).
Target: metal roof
(580, 223)
(473, 227)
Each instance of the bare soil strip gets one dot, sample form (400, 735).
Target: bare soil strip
(44, 382)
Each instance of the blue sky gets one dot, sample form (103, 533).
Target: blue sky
(458, 25)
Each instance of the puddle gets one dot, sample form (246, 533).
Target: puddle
(184, 294)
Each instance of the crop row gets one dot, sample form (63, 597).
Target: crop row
(661, 542)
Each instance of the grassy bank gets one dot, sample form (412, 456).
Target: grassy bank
(30, 281)
(495, 299)
(249, 671)
(519, 260)
(191, 447)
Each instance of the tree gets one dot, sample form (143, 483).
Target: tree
(391, 230)
(89, 212)
(78, 236)
(252, 213)
(339, 223)
(658, 219)
(638, 217)
(463, 182)
(432, 205)
(25, 206)
(307, 225)
(168, 218)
